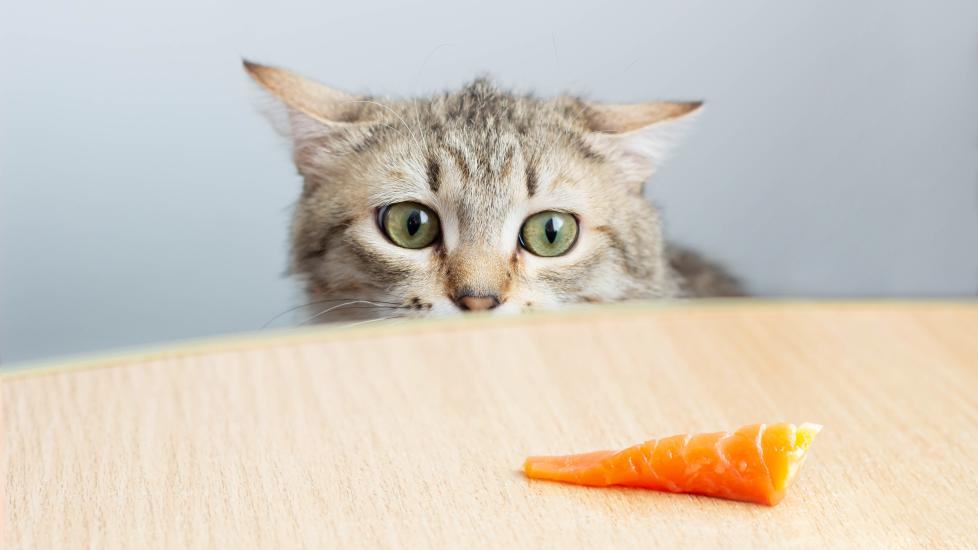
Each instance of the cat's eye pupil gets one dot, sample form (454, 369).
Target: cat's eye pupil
(552, 228)
(414, 222)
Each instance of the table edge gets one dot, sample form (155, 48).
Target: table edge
(242, 341)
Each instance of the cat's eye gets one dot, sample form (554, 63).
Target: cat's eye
(549, 233)
(409, 224)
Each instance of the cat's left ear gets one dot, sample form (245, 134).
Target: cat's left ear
(321, 121)
(326, 105)
(638, 137)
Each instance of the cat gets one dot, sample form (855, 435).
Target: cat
(479, 200)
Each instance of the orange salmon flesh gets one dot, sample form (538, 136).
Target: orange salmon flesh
(756, 463)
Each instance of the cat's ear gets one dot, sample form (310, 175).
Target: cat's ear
(639, 136)
(321, 121)
(320, 102)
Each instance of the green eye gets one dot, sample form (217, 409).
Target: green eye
(549, 233)
(410, 225)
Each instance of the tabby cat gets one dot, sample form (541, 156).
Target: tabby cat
(477, 200)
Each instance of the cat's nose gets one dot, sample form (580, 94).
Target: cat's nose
(469, 302)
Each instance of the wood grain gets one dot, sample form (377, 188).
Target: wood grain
(413, 435)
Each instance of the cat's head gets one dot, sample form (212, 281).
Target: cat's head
(472, 200)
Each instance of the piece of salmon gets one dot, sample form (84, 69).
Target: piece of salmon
(756, 463)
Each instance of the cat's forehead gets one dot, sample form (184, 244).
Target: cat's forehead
(462, 171)
(489, 171)
(492, 140)
(483, 179)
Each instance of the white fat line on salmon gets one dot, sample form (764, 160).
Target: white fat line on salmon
(760, 452)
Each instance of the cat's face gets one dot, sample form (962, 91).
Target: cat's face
(473, 201)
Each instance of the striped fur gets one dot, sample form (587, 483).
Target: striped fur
(484, 160)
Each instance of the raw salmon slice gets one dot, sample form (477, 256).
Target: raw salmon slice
(756, 463)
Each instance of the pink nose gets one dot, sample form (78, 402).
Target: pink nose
(477, 303)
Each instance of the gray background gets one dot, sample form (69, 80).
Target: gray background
(144, 198)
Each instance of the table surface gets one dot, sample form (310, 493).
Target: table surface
(413, 435)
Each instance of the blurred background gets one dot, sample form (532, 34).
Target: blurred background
(143, 198)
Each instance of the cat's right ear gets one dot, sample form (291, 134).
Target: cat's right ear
(319, 119)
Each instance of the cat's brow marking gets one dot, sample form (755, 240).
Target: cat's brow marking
(507, 164)
(531, 179)
(459, 157)
(434, 174)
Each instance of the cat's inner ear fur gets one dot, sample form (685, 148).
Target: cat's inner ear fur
(638, 137)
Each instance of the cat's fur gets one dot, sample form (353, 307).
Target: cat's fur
(484, 160)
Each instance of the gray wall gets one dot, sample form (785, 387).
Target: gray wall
(145, 200)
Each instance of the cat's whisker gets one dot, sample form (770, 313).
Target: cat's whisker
(351, 303)
(424, 64)
(379, 303)
(396, 114)
(370, 321)
(417, 101)
(417, 119)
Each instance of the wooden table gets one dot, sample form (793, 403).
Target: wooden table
(413, 435)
